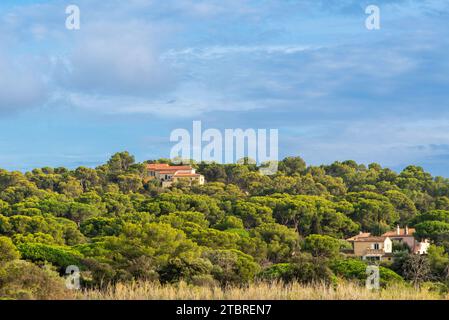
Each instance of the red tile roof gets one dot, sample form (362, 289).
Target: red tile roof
(394, 233)
(157, 165)
(360, 235)
(371, 239)
(166, 167)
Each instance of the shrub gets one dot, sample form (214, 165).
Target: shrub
(230, 222)
(353, 269)
(322, 246)
(305, 270)
(101, 226)
(184, 269)
(57, 255)
(232, 266)
(8, 250)
(24, 280)
(279, 271)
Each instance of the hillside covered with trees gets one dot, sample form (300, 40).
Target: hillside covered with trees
(241, 226)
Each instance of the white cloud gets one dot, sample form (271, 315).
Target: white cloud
(117, 59)
(21, 84)
(122, 62)
(189, 100)
(216, 52)
(391, 141)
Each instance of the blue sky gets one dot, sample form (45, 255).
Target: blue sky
(138, 69)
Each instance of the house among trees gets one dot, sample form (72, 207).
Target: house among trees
(168, 175)
(380, 248)
(406, 236)
(371, 248)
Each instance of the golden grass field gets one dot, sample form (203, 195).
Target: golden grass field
(257, 291)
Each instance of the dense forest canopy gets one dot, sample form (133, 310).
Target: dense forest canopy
(117, 225)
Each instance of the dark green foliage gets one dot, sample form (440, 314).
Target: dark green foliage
(438, 231)
(101, 226)
(8, 250)
(356, 270)
(292, 165)
(322, 246)
(184, 269)
(119, 226)
(56, 255)
(304, 268)
(25, 281)
(279, 271)
(433, 215)
(232, 266)
(281, 241)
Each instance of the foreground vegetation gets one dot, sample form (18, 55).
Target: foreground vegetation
(259, 291)
(238, 229)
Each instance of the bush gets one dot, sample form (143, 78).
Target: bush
(309, 269)
(184, 269)
(305, 269)
(8, 250)
(56, 255)
(353, 269)
(279, 271)
(24, 280)
(230, 222)
(322, 246)
(101, 226)
(232, 266)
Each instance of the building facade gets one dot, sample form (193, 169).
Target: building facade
(372, 248)
(368, 247)
(406, 236)
(167, 175)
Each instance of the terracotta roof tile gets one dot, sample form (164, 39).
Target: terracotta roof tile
(371, 239)
(394, 233)
(360, 235)
(157, 165)
(171, 168)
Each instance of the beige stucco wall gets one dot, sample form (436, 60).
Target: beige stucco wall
(361, 246)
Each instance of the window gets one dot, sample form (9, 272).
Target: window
(376, 246)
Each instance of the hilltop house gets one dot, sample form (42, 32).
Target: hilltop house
(168, 175)
(371, 248)
(380, 248)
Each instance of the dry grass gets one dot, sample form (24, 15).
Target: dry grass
(258, 291)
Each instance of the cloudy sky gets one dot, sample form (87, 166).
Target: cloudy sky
(138, 69)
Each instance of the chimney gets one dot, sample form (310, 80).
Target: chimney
(406, 230)
(398, 230)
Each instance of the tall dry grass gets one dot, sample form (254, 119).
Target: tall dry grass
(257, 291)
